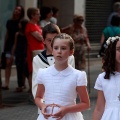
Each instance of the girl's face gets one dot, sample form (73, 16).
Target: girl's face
(118, 53)
(61, 50)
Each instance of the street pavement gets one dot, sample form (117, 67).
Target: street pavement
(19, 107)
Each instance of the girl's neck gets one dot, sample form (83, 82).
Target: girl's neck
(61, 67)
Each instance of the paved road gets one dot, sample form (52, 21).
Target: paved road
(18, 105)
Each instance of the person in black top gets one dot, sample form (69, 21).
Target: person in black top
(12, 28)
(20, 52)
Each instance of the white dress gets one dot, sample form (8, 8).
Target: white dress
(60, 88)
(111, 90)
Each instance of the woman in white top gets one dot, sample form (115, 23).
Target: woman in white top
(55, 15)
(60, 84)
(108, 83)
(46, 14)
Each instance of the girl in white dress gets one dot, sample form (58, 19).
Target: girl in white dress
(60, 83)
(108, 83)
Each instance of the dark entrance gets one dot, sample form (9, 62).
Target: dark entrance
(97, 12)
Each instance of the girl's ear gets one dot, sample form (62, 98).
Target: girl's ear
(71, 52)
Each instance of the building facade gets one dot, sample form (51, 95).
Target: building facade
(95, 12)
(6, 9)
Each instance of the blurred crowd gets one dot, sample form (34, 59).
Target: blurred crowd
(24, 39)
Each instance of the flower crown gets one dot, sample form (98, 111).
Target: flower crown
(112, 39)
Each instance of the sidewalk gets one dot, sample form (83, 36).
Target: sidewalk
(19, 106)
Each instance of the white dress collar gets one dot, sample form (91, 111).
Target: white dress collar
(64, 72)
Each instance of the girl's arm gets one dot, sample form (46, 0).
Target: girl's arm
(37, 35)
(100, 106)
(102, 39)
(39, 100)
(39, 96)
(84, 101)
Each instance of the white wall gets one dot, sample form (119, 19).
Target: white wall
(79, 7)
(6, 10)
(66, 10)
(28, 3)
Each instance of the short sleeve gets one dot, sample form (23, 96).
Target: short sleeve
(82, 79)
(39, 77)
(98, 83)
(31, 28)
(105, 32)
(118, 31)
(42, 24)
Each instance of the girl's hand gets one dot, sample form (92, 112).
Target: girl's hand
(43, 110)
(60, 114)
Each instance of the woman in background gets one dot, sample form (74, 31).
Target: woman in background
(34, 37)
(12, 28)
(20, 51)
(109, 31)
(80, 36)
(46, 14)
(55, 11)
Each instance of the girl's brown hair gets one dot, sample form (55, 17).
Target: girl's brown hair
(109, 59)
(64, 36)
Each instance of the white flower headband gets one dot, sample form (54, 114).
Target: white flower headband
(112, 39)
